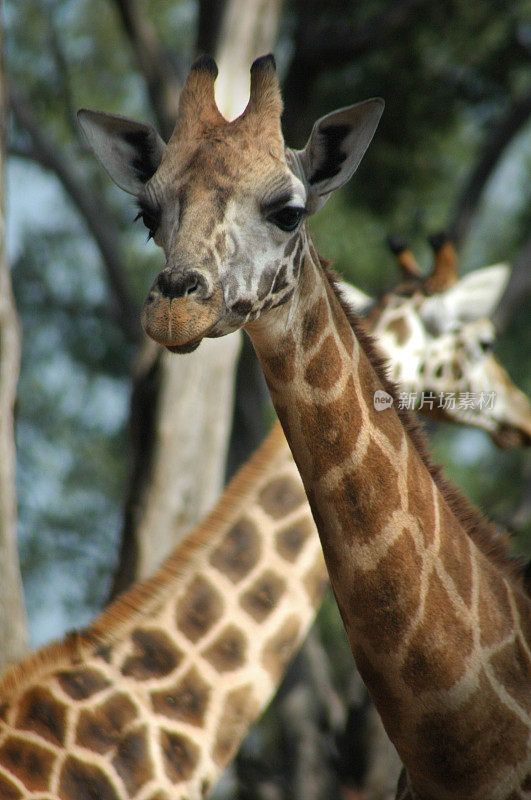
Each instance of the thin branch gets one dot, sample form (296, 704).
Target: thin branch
(494, 147)
(90, 206)
(162, 82)
(61, 67)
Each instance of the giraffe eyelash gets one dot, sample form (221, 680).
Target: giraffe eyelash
(150, 217)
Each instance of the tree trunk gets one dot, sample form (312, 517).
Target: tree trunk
(13, 623)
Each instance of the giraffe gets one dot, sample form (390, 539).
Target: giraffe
(435, 611)
(151, 702)
(75, 710)
(437, 334)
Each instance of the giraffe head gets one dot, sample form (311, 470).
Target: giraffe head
(226, 201)
(437, 332)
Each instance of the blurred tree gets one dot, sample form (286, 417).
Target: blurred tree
(13, 628)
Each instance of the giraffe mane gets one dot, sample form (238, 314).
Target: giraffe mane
(496, 546)
(138, 600)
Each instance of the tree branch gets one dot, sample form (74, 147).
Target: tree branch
(162, 83)
(493, 149)
(90, 206)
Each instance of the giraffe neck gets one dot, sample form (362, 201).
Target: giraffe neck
(155, 698)
(429, 618)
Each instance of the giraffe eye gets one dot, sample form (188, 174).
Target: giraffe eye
(287, 218)
(150, 217)
(486, 345)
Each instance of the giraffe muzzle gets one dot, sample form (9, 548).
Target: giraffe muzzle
(181, 309)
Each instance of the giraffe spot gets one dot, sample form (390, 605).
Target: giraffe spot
(199, 609)
(330, 431)
(266, 281)
(279, 648)
(457, 372)
(239, 712)
(8, 790)
(40, 712)
(238, 552)
(430, 663)
(470, 745)
(455, 554)
(280, 281)
(383, 600)
(262, 597)
(154, 655)
(316, 581)
(228, 651)
(291, 539)
(297, 260)
(387, 422)
(132, 761)
(180, 756)
(494, 609)
(82, 682)
(100, 728)
(290, 247)
(4, 710)
(281, 367)
(242, 307)
(187, 700)
(27, 761)
(400, 329)
(83, 781)
(281, 496)
(390, 702)
(364, 499)
(421, 502)
(314, 322)
(205, 787)
(159, 795)
(324, 368)
(512, 668)
(220, 244)
(104, 652)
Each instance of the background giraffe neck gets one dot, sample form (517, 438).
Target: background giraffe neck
(159, 692)
(416, 595)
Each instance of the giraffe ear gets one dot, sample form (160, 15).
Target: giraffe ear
(129, 152)
(335, 148)
(475, 296)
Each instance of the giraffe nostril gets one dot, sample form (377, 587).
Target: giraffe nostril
(174, 284)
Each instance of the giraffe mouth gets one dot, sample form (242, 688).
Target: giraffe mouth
(182, 349)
